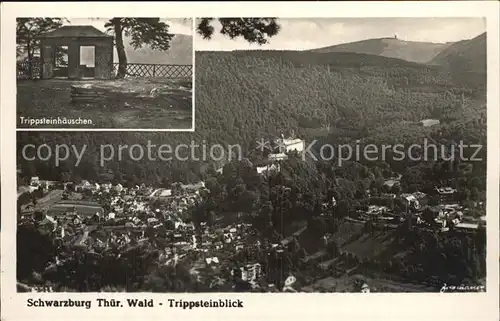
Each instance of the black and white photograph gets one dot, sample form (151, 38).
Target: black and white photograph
(386, 189)
(330, 155)
(105, 73)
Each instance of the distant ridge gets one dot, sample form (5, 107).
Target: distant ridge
(180, 52)
(468, 55)
(302, 58)
(421, 52)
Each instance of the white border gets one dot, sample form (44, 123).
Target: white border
(338, 306)
(193, 70)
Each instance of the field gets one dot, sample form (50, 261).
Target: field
(366, 245)
(157, 103)
(347, 284)
(48, 200)
(162, 192)
(83, 208)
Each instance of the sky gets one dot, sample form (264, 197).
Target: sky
(303, 34)
(177, 25)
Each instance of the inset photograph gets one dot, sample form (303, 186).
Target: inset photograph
(105, 73)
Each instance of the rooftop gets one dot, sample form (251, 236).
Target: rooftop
(75, 32)
(429, 122)
(291, 141)
(446, 190)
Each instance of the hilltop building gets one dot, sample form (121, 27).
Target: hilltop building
(285, 146)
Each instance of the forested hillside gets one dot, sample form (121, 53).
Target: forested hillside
(259, 93)
(180, 52)
(421, 52)
(467, 55)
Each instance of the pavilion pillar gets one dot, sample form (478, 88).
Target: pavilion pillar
(74, 60)
(47, 53)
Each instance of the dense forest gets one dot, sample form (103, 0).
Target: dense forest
(464, 55)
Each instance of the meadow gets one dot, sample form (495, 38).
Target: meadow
(162, 103)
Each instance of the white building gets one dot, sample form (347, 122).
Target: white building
(286, 146)
(291, 144)
(106, 187)
(289, 282)
(165, 193)
(251, 272)
(277, 157)
(411, 201)
(268, 168)
(429, 122)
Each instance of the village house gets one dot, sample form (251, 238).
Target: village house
(290, 144)
(411, 202)
(388, 195)
(467, 226)
(376, 210)
(277, 157)
(251, 272)
(83, 186)
(34, 181)
(193, 188)
(118, 188)
(106, 187)
(286, 146)
(47, 225)
(446, 194)
(268, 168)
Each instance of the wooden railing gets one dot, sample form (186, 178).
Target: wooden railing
(155, 70)
(133, 70)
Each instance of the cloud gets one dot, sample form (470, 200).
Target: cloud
(177, 25)
(297, 34)
(181, 26)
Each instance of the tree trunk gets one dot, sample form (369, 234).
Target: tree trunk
(30, 60)
(120, 49)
